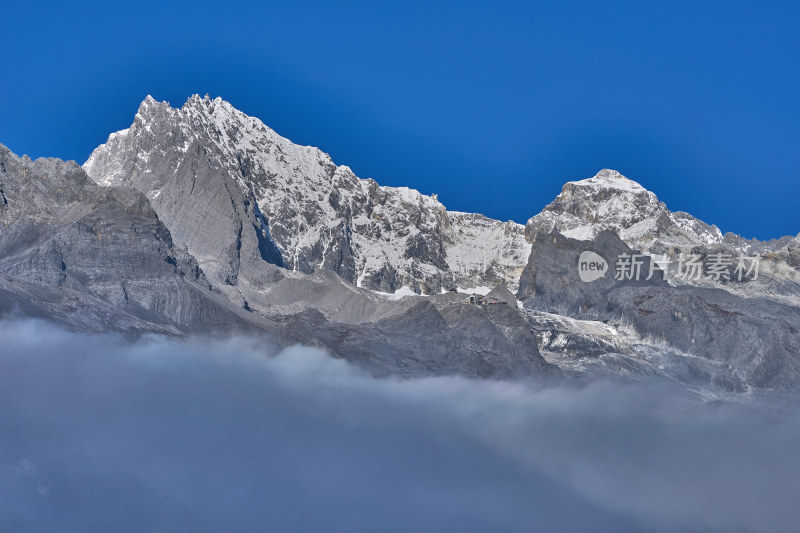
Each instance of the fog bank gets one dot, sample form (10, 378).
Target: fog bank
(97, 434)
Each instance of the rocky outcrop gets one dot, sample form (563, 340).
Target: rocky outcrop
(755, 339)
(62, 231)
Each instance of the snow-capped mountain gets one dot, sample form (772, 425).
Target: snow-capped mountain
(235, 193)
(99, 259)
(203, 219)
(610, 201)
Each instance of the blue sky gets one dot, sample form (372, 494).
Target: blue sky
(491, 105)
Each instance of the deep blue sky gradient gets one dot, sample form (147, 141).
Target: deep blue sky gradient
(491, 105)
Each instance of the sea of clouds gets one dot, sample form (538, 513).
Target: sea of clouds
(100, 434)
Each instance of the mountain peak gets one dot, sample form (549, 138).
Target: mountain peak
(244, 190)
(610, 179)
(197, 100)
(610, 201)
(147, 103)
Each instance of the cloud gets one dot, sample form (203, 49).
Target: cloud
(97, 434)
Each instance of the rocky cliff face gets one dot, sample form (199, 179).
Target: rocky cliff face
(100, 259)
(237, 194)
(66, 243)
(706, 335)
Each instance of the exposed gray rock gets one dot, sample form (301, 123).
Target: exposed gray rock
(59, 229)
(754, 340)
(235, 193)
(503, 295)
(612, 202)
(99, 259)
(209, 221)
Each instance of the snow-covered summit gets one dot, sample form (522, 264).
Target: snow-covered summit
(611, 201)
(610, 179)
(235, 193)
(318, 215)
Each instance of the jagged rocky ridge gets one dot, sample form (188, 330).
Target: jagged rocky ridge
(261, 197)
(257, 233)
(99, 259)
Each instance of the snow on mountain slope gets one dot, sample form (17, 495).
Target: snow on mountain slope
(609, 200)
(317, 214)
(485, 250)
(237, 194)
